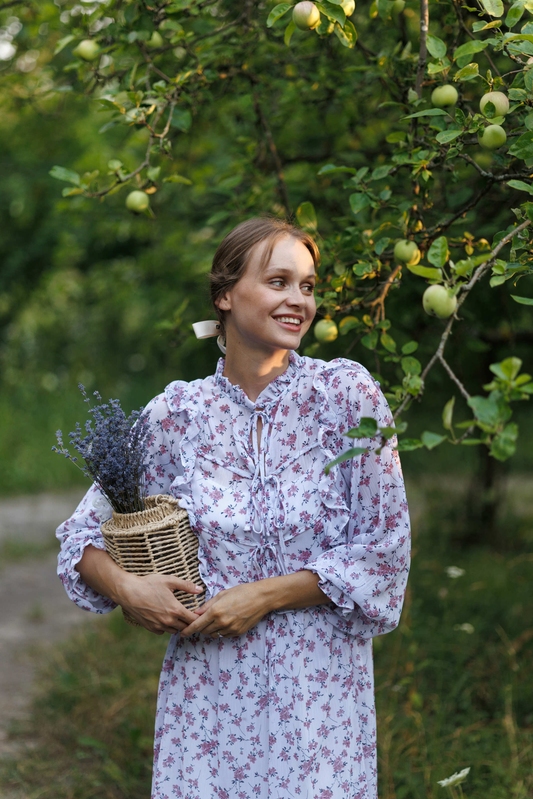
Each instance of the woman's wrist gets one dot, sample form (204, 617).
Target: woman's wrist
(292, 591)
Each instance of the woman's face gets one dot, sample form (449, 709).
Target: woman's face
(270, 308)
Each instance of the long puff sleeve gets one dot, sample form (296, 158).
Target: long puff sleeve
(366, 575)
(83, 527)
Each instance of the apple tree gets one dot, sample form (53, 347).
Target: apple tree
(400, 133)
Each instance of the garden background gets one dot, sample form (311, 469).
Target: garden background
(219, 111)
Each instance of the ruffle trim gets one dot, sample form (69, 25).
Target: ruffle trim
(270, 393)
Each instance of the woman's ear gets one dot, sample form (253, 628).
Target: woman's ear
(224, 302)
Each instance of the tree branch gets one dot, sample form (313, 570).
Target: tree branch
(4, 6)
(379, 302)
(454, 377)
(466, 288)
(282, 186)
(423, 54)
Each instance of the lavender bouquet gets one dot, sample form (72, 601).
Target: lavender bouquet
(114, 449)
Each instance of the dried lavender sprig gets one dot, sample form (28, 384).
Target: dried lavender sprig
(115, 452)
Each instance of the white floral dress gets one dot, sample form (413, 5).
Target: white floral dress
(286, 710)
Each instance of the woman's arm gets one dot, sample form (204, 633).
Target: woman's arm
(149, 599)
(238, 609)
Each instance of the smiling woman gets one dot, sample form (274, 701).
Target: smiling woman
(267, 688)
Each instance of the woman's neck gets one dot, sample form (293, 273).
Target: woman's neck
(253, 372)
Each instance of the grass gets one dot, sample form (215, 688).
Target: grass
(15, 551)
(453, 683)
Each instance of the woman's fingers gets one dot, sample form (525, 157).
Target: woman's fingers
(151, 602)
(176, 584)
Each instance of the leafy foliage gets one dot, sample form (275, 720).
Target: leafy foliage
(218, 111)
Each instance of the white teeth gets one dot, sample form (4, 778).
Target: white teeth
(289, 320)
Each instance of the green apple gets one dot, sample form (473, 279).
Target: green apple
(444, 95)
(407, 252)
(397, 7)
(439, 301)
(155, 40)
(493, 137)
(348, 6)
(499, 100)
(137, 201)
(306, 15)
(326, 331)
(87, 49)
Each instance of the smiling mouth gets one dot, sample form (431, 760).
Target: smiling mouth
(289, 320)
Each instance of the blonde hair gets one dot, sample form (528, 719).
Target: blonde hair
(233, 253)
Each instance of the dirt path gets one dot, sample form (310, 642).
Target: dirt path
(34, 609)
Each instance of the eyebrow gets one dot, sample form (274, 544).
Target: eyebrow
(282, 270)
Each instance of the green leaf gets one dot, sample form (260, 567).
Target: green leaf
(277, 13)
(60, 173)
(153, 173)
(66, 192)
(520, 185)
(503, 445)
(410, 347)
(425, 271)
(358, 202)
(370, 340)
(446, 136)
(347, 35)
(431, 440)
(306, 216)
(389, 432)
(289, 30)
(381, 245)
(381, 172)
(522, 300)
(507, 369)
(409, 444)
(367, 428)
(447, 414)
(331, 169)
(388, 342)
(63, 43)
(346, 456)
(494, 8)
(429, 112)
(411, 366)
(178, 179)
(514, 14)
(465, 266)
(469, 72)
(333, 12)
(490, 412)
(481, 25)
(438, 253)
(181, 119)
(434, 67)
(436, 47)
(469, 48)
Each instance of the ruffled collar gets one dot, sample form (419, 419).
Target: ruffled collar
(270, 393)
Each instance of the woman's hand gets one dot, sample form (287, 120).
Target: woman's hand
(231, 612)
(148, 599)
(238, 609)
(151, 602)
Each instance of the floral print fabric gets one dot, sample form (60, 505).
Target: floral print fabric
(286, 710)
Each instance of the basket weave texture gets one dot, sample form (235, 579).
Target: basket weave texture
(156, 540)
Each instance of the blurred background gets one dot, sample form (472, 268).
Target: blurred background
(92, 294)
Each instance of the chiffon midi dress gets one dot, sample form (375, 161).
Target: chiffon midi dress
(287, 709)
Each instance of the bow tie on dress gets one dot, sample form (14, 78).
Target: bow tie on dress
(210, 329)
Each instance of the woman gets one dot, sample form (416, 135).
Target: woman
(267, 690)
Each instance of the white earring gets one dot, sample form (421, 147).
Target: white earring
(221, 341)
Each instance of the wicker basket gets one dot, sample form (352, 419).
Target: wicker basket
(156, 540)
